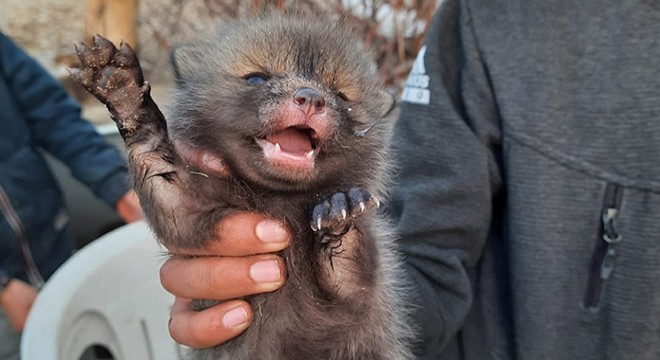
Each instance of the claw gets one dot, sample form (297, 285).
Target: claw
(126, 55)
(124, 46)
(77, 76)
(101, 42)
(103, 52)
(316, 225)
(362, 206)
(82, 51)
(127, 58)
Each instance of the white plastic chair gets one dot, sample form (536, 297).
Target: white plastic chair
(107, 296)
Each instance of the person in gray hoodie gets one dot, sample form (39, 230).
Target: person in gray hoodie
(528, 201)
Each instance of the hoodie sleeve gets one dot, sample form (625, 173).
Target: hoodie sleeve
(56, 125)
(446, 141)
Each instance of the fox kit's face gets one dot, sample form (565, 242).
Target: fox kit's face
(280, 101)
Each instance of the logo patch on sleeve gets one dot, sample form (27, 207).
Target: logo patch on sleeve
(416, 90)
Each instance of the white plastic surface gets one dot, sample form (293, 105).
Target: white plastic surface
(107, 294)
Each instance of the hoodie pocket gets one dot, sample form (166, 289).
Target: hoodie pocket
(603, 260)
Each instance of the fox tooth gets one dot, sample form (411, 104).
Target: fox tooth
(310, 154)
(277, 147)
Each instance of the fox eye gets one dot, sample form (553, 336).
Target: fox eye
(342, 96)
(256, 78)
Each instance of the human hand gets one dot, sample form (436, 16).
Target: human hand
(239, 263)
(16, 300)
(128, 207)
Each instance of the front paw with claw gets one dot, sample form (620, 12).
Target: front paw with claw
(334, 216)
(114, 76)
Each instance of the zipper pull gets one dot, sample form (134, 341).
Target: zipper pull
(607, 266)
(610, 232)
(611, 236)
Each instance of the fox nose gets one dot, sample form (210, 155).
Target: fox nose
(309, 100)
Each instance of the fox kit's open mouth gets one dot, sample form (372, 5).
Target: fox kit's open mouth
(294, 147)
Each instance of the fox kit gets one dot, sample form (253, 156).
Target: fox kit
(293, 108)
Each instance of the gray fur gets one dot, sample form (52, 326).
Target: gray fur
(343, 298)
(301, 321)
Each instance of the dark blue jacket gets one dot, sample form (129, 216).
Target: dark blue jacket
(37, 115)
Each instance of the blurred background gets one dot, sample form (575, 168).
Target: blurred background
(48, 30)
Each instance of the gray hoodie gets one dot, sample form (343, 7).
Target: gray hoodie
(528, 199)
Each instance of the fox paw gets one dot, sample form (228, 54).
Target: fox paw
(334, 216)
(112, 75)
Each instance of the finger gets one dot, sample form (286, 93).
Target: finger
(205, 161)
(210, 327)
(222, 278)
(247, 234)
(17, 299)
(128, 207)
(243, 234)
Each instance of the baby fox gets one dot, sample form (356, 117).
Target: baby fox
(293, 108)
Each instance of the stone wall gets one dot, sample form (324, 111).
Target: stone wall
(48, 30)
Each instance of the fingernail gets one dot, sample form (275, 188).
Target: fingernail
(234, 318)
(265, 271)
(270, 231)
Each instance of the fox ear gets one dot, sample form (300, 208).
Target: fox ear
(388, 103)
(384, 109)
(185, 59)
